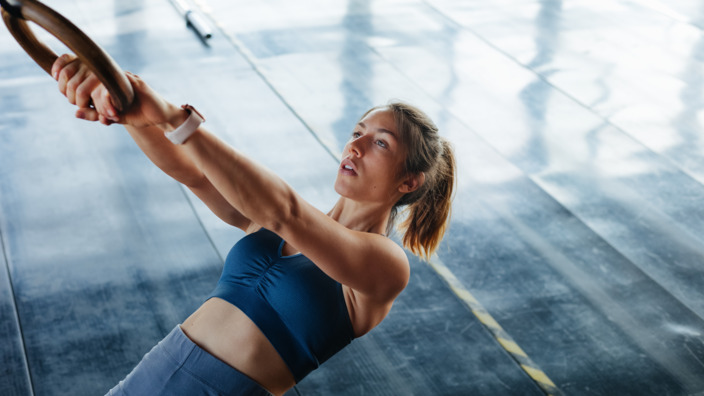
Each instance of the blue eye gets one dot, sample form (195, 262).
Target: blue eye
(381, 143)
(355, 135)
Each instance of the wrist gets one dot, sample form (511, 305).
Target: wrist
(186, 128)
(175, 117)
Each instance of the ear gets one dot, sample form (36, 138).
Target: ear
(412, 182)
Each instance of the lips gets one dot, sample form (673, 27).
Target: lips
(348, 167)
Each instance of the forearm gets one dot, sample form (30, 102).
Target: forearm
(170, 158)
(253, 190)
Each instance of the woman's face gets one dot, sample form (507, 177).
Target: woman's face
(371, 161)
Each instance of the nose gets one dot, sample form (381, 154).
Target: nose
(355, 147)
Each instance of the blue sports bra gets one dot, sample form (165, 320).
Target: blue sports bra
(297, 306)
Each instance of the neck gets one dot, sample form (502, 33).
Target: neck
(360, 216)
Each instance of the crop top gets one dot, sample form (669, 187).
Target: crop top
(299, 308)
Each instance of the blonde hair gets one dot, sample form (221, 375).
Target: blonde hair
(428, 207)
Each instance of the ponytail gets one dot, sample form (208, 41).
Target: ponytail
(429, 216)
(427, 209)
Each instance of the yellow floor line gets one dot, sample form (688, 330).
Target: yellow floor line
(506, 342)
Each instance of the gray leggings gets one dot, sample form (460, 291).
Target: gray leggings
(177, 366)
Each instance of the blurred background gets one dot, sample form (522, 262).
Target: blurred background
(574, 263)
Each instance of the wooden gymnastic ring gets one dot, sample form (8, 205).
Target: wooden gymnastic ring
(16, 13)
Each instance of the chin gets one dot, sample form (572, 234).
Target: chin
(338, 188)
(343, 190)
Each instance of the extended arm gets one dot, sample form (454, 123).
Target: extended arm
(243, 192)
(368, 263)
(145, 123)
(176, 162)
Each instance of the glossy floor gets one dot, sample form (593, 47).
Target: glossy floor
(574, 263)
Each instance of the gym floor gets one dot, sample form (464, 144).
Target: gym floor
(574, 263)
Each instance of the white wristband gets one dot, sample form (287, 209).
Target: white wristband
(185, 130)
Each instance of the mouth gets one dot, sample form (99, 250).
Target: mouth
(347, 167)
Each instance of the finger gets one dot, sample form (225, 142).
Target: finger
(65, 75)
(85, 93)
(103, 103)
(87, 114)
(60, 63)
(75, 82)
(135, 80)
(104, 120)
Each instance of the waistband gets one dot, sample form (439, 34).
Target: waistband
(207, 367)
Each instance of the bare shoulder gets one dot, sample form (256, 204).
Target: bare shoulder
(387, 276)
(393, 250)
(368, 263)
(391, 264)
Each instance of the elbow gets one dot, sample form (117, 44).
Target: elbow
(190, 176)
(286, 212)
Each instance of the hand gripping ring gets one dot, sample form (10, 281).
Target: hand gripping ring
(15, 13)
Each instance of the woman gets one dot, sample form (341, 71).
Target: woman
(301, 284)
